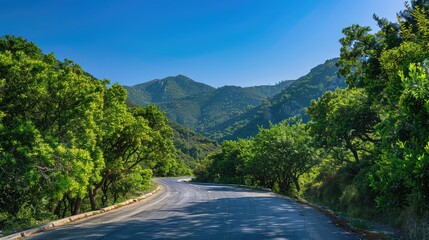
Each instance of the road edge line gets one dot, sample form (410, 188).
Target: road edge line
(74, 218)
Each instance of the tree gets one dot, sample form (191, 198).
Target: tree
(371, 61)
(50, 127)
(282, 154)
(230, 165)
(64, 135)
(160, 149)
(344, 119)
(402, 174)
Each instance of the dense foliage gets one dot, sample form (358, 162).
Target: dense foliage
(68, 142)
(390, 67)
(372, 138)
(275, 158)
(191, 147)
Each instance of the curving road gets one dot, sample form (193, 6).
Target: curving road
(205, 211)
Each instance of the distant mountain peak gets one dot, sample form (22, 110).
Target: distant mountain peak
(181, 76)
(177, 78)
(166, 89)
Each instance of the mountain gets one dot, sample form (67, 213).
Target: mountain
(196, 105)
(290, 102)
(232, 112)
(165, 90)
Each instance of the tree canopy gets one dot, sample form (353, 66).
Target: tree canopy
(68, 141)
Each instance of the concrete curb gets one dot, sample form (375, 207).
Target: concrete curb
(75, 218)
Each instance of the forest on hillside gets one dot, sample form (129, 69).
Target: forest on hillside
(232, 112)
(365, 150)
(198, 106)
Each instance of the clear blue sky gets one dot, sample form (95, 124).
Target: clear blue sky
(218, 42)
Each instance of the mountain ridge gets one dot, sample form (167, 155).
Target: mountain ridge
(231, 112)
(290, 102)
(197, 105)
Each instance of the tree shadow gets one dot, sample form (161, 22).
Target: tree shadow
(223, 218)
(224, 187)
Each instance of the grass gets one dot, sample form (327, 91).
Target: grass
(360, 224)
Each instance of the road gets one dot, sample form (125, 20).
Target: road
(205, 211)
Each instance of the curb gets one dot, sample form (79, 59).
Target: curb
(64, 221)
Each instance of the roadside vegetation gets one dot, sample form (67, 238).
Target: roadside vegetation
(365, 150)
(68, 142)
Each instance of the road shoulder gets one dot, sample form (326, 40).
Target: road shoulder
(75, 218)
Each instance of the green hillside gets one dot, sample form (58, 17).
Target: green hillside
(232, 112)
(191, 147)
(198, 106)
(207, 109)
(139, 97)
(292, 101)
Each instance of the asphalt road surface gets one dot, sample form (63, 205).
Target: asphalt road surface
(205, 211)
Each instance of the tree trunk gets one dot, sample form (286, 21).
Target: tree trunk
(355, 154)
(77, 206)
(57, 210)
(349, 145)
(295, 180)
(91, 195)
(54, 206)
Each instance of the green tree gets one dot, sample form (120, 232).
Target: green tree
(371, 61)
(344, 119)
(230, 165)
(282, 154)
(51, 114)
(64, 135)
(160, 153)
(402, 173)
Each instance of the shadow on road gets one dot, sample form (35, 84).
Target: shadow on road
(225, 188)
(223, 218)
